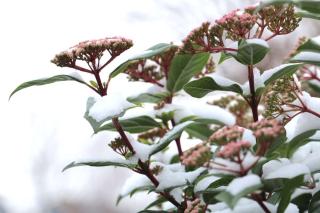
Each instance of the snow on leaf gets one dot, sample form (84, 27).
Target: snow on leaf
(107, 107)
(283, 168)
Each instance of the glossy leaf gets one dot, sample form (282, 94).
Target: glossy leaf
(170, 136)
(314, 205)
(133, 125)
(199, 88)
(45, 81)
(299, 141)
(250, 53)
(99, 164)
(151, 52)
(183, 68)
(148, 98)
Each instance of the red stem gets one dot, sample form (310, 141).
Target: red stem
(253, 99)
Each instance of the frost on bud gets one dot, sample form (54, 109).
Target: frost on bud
(194, 206)
(226, 135)
(280, 19)
(267, 129)
(91, 50)
(237, 24)
(203, 38)
(197, 156)
(233, 149)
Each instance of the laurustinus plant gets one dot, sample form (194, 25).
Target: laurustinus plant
(203, 142)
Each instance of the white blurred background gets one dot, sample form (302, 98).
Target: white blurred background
(42, 129)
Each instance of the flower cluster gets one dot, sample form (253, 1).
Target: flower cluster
(196, 156)
(203, 38)
(120, 147)
(237, 106)
(267, 129)
(226, 134)
(91, 50)
(237, 24)
(280, 19)
(194, 206)
(279, 93)
(233, 149)
(154, 69)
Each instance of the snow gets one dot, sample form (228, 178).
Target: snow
(258, 82)
(199, 109)
(316, 40)
(168, 178)
(246, 205)
(142, 151)
(133, 182)
(112, 105)
(204, 183)
(307, 56)
(268, 73)
(222, 81)
(260, 42)
(304, 121)
(309, 155)
(177, 194)
(283, 168)
(76, 75)
(242, 183)
(248, 136)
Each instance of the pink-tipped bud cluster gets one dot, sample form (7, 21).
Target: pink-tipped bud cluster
(194, 206)
(237, 23)
(203, 38)
(227, 134)
(196, 156)
(233, 149)
(267, 128)
(91, 50)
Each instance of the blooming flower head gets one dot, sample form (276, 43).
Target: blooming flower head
(268, 129)
(196, 156)
(233, 149)
(227, 134)
(237, 23)
(91, 50)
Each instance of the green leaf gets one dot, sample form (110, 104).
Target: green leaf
(302, 201)
(306, 14)
(45, 81)
(287, 191)
(299, 141)
(224, 56)
(199, 88)
(250, 52)
(314, 87)
(232, 199)
(133, 125)
(94, 124)
(173, 134)
(309, 45)
(200, 131)
(273, 74)
(314, 205)
(309, 57)
(149, 53)
(100, 164)
(148, 98)
(183, 68)
(157, 202)
(134, 191)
